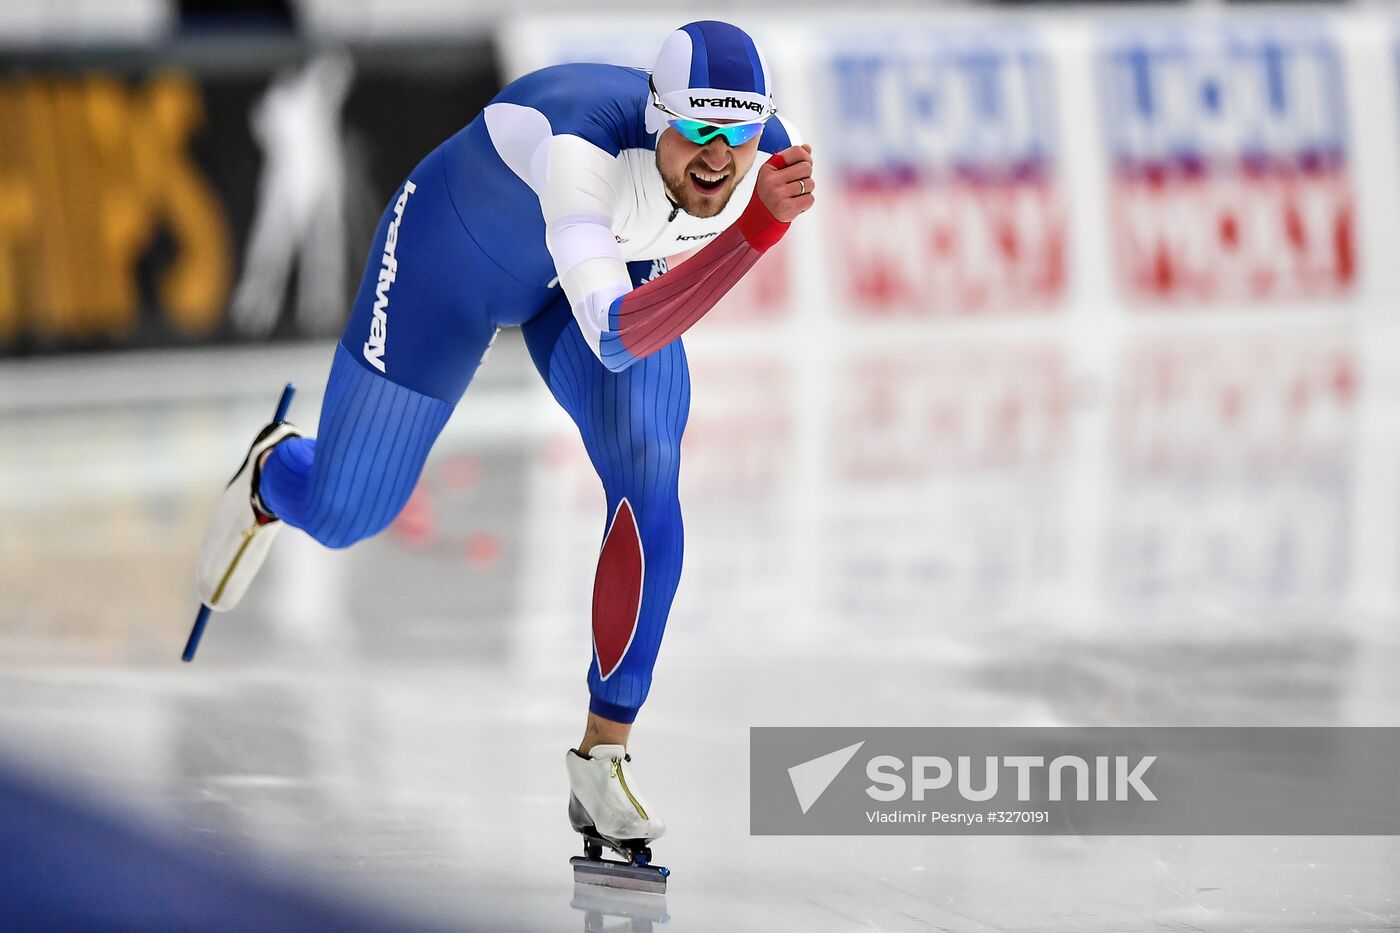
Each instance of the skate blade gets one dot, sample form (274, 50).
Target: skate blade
(650, 879)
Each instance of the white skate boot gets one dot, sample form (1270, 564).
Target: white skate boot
(606, 807)
(242, 530)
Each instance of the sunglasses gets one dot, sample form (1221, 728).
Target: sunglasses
(701, 132)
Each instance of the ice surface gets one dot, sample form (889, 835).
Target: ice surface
(975, 529)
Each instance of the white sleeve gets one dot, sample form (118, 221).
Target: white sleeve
(578, 195)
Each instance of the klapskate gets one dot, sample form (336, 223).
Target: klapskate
(606, 807)
(241, 532)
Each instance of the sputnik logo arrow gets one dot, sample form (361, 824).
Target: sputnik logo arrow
(811, 778)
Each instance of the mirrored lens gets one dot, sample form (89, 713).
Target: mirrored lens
(699, 132)
(741, 133)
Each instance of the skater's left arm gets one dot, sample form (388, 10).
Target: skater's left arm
(621, 324)
(630, 324)
(648, 318)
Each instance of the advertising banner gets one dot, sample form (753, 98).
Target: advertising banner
(1230, 175)
(180, 198)
(942, 149)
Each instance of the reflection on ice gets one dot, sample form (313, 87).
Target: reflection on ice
(640, 911)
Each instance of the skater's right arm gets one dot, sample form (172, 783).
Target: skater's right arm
(583, 183)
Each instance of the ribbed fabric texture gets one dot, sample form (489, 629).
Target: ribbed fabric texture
(350, 481)
(631, 423)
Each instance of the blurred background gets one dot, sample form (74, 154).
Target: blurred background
(1073, 402)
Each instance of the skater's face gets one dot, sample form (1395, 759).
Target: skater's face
(702, 178)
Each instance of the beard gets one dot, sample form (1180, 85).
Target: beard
(683, 193)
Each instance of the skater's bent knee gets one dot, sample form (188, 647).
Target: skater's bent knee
(337, 540)
(341, 524)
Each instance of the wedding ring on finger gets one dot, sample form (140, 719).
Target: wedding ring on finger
(803, 184)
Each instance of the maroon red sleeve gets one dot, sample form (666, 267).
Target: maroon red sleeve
(650, 317)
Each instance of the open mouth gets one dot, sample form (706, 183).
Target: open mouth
(709, 181)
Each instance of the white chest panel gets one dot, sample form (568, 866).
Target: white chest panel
(642, 223)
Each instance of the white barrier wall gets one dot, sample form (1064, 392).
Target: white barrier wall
(68, 23)
(1095, 316)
